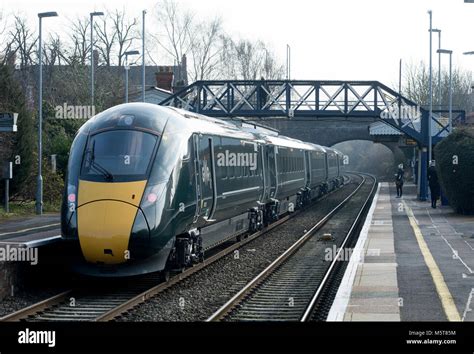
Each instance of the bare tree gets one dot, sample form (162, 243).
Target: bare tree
(106, 38)
(125, 31)
(416, 86)
(271, 68)
(24, 41)
(80, 44)
(53, 50)
(178, 35)
(248, 60)
(7, 50)
(205, 49)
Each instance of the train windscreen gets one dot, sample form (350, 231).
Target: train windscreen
(118, 155)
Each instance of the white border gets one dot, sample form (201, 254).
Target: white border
(339, 306)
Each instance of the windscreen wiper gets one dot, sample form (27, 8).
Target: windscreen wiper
(107, 175)
(99, 168)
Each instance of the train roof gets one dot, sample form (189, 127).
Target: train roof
(335, 151)
(208, 125)
(269, 138)
(190, 122)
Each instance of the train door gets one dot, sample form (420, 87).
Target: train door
(207, 196)
(271, 176)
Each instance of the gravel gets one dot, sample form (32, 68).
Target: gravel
(24, 299)
(200, 295)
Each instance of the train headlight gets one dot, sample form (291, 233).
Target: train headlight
(71, 198)
(152, 204)
(151, 197)
(69, 218)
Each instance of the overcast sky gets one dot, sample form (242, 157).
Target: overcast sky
(330, 39)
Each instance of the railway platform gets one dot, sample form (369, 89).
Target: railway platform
(33, 231)
(20, 241)
(411, 263)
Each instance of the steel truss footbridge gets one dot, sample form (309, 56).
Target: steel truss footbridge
(319, 99)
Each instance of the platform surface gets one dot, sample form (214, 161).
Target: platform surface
(31, 231)
(411, 263)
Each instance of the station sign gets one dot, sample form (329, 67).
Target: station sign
(8, 122)
(7, 170)
(407, 142)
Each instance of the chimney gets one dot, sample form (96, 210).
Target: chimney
(184, 70)
(164, 77)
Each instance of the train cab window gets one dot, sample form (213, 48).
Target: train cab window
(118, 154)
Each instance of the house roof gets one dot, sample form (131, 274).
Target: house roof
(381, 128)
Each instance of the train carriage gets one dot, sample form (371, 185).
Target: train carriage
(150, 187)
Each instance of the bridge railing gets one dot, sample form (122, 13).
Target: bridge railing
(308, 99)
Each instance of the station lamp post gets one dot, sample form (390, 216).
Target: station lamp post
(92, 14)
(39, 185)
(436, 30)
(450, 52)
(430, 157)
(130, 52)
(143, 55)
(470, 53)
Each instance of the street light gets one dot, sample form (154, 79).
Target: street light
(470, 53)
(130, 52)
(39, 186)
(450, 52)
(92, 14)
(288, 61)
(430, 157)
(435, 30)
(143, 56)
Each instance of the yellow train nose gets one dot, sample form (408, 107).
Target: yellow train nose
(106, 213)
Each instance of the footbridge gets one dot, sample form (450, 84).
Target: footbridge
(324, 112)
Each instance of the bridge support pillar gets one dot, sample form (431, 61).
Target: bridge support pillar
(423, 173)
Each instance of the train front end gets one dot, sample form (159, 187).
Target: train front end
(106, 194)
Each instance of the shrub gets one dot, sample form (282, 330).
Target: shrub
(457, 180)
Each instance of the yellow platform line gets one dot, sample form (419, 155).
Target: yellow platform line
(442, 289)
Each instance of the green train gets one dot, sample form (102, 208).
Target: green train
(150, 188)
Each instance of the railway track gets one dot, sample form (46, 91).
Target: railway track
(295, 286)
(107, 302)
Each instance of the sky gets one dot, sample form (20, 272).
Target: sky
(329, 39)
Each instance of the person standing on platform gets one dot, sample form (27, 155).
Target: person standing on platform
(399, 179)
(435, 188)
